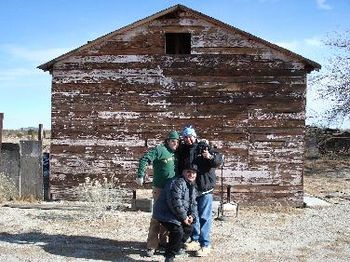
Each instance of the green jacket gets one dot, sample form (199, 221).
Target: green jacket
(164, 162)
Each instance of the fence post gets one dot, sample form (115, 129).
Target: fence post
(40, 132)
(1, 118)
(46, 176)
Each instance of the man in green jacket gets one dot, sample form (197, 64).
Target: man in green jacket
(164, 161)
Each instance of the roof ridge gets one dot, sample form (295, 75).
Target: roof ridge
(312, 65)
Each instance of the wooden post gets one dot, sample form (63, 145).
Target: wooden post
(228, 194)
(40, 132)
(1, 118)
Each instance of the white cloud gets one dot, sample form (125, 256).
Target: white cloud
(34, 55)
(321, 4)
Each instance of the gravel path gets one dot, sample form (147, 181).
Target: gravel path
(72, 232)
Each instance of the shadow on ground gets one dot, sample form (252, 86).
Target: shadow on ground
(79, 246)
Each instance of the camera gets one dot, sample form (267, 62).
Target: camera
(202, 146)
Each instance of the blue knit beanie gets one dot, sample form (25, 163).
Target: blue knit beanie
(189, 131)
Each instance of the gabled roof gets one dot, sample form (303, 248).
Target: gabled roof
(310, 65)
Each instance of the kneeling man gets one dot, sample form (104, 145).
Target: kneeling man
(176, 209)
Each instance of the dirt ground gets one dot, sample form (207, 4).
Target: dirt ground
(63, 231)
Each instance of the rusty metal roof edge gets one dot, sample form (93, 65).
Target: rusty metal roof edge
(311, 64)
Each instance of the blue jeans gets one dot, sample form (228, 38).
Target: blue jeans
(202, 227)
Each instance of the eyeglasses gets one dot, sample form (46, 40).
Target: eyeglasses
(173, 141)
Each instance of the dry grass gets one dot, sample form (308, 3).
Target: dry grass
(15, 136)
(8, 190)
(102, 195)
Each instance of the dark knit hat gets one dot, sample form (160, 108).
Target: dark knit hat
(192, 167)
(173, 135)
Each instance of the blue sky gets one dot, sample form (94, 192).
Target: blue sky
(35, 31)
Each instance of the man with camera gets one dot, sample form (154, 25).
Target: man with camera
(199, 153)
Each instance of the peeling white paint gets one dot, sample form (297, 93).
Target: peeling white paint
(246, 174)
(161, 103)
(173, 115)
(96, 75)
(237, 145)
(67, 94)
(128, 141)
(118, 115)
(260, 114)
(286, 137)
(131, 76)
(114, 59)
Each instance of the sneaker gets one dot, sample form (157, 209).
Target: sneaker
(150, 252)
(203, 252)
(192, 246)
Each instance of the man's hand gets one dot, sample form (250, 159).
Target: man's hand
(188, 220)
(206, 154)
(139, 181)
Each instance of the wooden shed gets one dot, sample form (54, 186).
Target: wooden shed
(121, 93)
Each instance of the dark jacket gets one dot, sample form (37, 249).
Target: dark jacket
(176, 201)
(206, 178)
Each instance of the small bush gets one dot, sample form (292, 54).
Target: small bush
(8, 190)
(102, 195)
(31, 134)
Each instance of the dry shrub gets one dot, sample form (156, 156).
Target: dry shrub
(28, 199)
(8, 190)
(102, 195)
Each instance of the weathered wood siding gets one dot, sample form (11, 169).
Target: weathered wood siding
(244, 96)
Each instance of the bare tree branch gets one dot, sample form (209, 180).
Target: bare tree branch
(334, 81)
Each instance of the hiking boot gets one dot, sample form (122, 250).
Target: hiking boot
(161, 247)
(203, 252)
(192, 246)
(150, 252)
(181, 252)
(169, 259)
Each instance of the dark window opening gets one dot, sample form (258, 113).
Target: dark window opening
(178, 43)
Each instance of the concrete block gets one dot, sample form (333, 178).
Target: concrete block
(10, 162)
(142, 199)
(31, 171)
(142, 193)
(227, 210)
(142, 204)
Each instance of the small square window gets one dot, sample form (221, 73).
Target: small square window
(178, 43)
